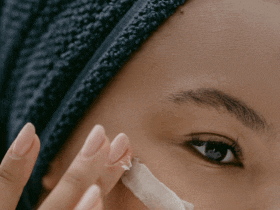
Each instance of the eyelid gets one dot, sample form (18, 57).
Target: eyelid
(212, 135)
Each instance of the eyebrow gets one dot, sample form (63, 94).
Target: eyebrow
(217, 99)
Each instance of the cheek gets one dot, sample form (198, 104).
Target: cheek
(63, 160)
(55, 171)
(193, 181)
(127, 201)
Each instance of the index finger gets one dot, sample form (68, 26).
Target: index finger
(84, 171)
(16, 170)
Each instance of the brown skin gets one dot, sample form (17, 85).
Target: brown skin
(230, 45)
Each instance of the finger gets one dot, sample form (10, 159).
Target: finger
(91, 200)
(82, 173)
(121, 155)
(17, 165)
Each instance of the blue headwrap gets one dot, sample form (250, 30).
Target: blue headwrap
(56, 57)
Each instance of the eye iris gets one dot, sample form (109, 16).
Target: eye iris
(215, 151)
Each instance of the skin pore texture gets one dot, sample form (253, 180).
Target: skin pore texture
(231, 46)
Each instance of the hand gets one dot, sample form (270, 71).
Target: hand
(92, 174)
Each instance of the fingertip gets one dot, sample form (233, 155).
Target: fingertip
(99, 127)
(35, 148)
(37, 139)
(31, 126)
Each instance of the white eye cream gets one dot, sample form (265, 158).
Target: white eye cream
(153, 193)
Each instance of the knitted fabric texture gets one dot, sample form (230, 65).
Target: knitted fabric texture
(49, 43)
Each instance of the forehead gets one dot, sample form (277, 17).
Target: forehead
(231, 45)
(262, 8)
(228, 26)
(235, 39)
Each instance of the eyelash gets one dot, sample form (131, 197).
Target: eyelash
(234, 148)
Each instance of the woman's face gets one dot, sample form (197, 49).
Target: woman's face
(209, 52)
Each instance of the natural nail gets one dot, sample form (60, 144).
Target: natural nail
(118, 147)
(24, 140)
(94, 141)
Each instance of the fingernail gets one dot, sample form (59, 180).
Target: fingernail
(94, 141)
(118, 147)
(24, 140)
(90, 198)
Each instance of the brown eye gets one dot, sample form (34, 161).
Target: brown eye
(216, 151)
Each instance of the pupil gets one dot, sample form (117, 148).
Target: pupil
(215, 151)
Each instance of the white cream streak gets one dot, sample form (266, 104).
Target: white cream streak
(153, 193)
